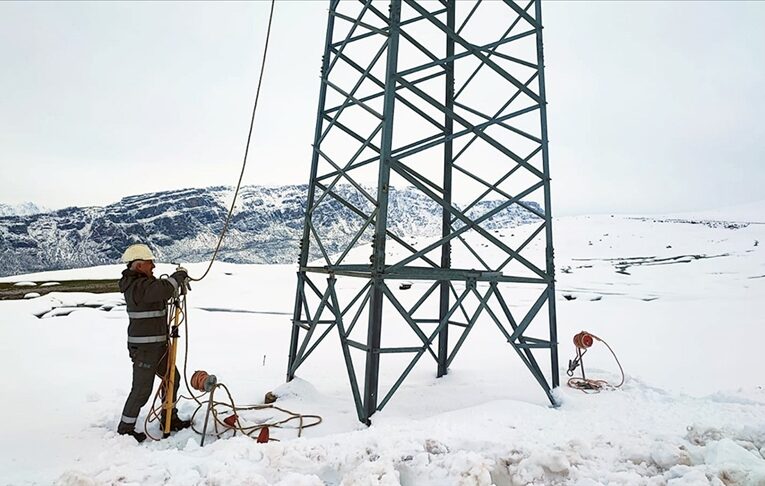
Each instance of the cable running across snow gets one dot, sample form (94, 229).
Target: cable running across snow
(231, 423)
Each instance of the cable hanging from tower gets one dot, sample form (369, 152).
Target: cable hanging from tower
(246, 147)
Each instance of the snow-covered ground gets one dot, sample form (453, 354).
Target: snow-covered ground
(685, 319)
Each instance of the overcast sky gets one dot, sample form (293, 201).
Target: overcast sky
(653, 106)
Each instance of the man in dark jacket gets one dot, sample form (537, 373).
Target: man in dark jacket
(146, 298)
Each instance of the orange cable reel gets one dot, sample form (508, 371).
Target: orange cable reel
(582, 342)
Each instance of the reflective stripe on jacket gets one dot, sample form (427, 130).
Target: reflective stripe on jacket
(146, 300)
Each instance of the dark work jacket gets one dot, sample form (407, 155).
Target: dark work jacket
(144, 294)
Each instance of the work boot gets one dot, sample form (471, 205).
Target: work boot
(129, 429)
(176, 423)
(138, 436)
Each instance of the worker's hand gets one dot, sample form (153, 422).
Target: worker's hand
(180, 276)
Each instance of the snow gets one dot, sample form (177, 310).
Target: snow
(752, 212)
(23, 209)
(688, 331)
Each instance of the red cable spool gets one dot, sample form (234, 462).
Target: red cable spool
(583, 340)
(198, 380)
(203, 381)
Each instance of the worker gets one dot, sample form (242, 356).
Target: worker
(146, 300)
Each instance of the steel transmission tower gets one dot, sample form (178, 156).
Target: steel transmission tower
(443, 104)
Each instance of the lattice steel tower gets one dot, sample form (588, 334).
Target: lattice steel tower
(443, 104)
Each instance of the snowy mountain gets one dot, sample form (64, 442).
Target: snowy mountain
(184, 225)
(23, 209)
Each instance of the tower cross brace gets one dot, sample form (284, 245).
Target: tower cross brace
(441, 104)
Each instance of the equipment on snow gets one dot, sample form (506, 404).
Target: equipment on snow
(583, 341)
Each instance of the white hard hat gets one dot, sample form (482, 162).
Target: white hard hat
(138, 251)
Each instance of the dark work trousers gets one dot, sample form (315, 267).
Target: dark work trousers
(148, 360)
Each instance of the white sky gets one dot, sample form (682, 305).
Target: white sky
(653, 106)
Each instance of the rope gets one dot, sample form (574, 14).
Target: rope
(229, 409)
(246, 147)
(588, 385)
(219, 409)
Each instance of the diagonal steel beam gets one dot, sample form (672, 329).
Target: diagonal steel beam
(469, 16)
(346, 352)
(502, 124)
(357, 22)
(360, 309)
(408, 37)
(348, 178)
(495, 186)
(530, 315)
(399, 97)
(317, 238)
(346, 40)
(463, 54)
(492, 51)
(477, 53)
(523, 245)
(507, 103)
(521, 12)
(403, 23)
(408, 318)
(474, 253)
(349, 246)
(471, 323)
(388, 233)
(417, 356)
(348, 100)
(350, 97)
(344, 171)
(477, 130)
(382, 93)
(300, 357)
(521, 348)
(355, 299)
(469, 224)
(462, 308)
(423, 298)
(500, 147)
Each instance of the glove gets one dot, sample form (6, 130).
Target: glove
(180, 275)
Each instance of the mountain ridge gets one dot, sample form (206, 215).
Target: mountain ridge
(184, 225)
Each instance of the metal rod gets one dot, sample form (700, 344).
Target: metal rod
(471, 323)
(446, 226)
(346, 352)
(476, 52)
(549, 252)
(498, 112)
(207, 416)
(492, 51)
(378, 249)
